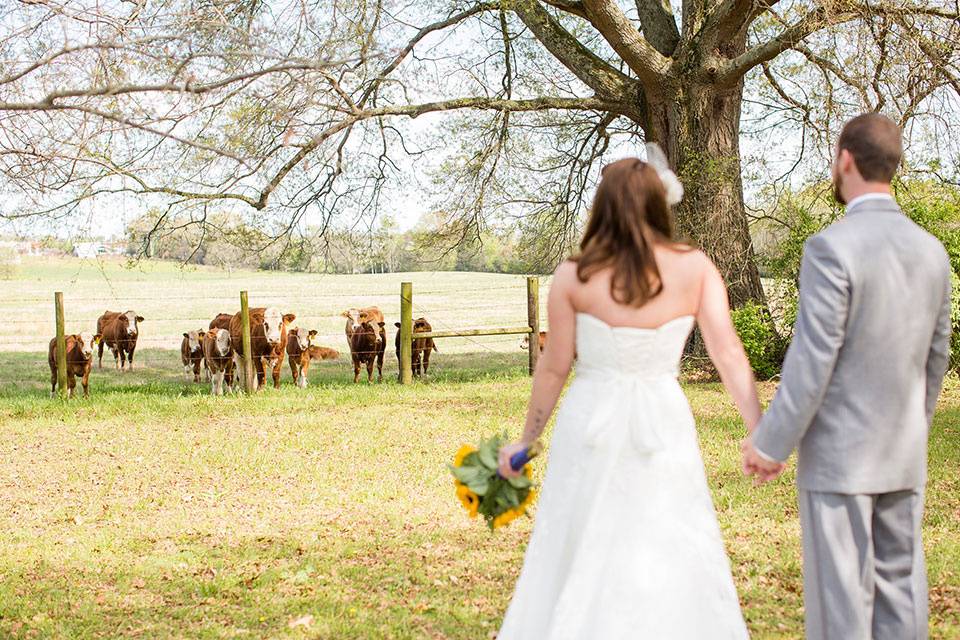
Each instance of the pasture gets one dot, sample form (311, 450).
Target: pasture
(153, 510)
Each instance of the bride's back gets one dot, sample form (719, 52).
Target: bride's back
(630, 271)
(681, 275)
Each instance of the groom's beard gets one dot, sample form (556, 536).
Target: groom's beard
(837, 184)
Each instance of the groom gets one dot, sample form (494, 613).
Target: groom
(859, 387)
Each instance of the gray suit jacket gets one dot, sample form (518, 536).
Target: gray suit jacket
(870, 349)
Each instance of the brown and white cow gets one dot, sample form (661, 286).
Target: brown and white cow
(356, 317)
(420, 347)
(218, 356)
(541, 341)
(79, 362)
(298, 344)
(221, 321)
(367, 345)
(119, 332)
(191, 354)
(268, 341)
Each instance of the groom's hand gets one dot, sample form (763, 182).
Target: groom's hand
(755, 465)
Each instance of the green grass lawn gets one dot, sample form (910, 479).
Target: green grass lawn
(153, 510)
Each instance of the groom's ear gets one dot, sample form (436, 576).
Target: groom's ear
(845, 162)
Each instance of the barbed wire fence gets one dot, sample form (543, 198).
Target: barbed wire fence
(29, 323)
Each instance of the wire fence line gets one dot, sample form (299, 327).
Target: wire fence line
(170, 311)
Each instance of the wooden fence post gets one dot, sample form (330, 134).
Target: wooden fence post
(533, 319)
(249, 375)
(61, 346)
(406, 332)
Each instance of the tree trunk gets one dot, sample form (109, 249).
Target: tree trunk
(699, 129)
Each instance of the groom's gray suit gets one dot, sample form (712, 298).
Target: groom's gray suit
(859, 388)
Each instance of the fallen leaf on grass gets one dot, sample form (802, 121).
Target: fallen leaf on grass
(303, 621)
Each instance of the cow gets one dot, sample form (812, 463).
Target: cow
(218, 357)
(298, 344)
(356, 317)
(541, 340)
(268, 341)
(79, 348)
(191, 353)
(367, 345)
(222, 321)
(420, 347)
(119, 332)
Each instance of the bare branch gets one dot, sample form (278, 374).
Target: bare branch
(610, 20)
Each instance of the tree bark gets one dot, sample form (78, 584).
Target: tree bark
(698, 127)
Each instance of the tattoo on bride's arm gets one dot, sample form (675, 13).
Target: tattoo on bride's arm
(537, 422)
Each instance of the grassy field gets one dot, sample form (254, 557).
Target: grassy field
(155, 511)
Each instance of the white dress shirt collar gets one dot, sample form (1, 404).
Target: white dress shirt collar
(875, 195)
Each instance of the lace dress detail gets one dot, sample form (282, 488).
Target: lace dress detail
(626, 542)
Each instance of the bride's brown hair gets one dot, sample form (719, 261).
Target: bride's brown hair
(629, 214)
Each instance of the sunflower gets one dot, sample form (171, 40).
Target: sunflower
(462, 453)
(470, 500)
(506, 518)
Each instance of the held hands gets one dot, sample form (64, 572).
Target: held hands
(755, 465)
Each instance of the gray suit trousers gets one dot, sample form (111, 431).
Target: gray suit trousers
(864, 572)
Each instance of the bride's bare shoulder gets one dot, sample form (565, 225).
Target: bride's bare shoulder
(565, 274)
(687, 257)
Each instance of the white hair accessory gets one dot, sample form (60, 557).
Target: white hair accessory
(658, 160)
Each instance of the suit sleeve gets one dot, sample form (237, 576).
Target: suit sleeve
(939, 356)
(818, 336)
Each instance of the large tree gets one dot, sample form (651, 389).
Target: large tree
(280, 110)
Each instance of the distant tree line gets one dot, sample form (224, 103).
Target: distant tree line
(381, 249)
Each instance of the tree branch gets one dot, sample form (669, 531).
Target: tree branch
(574, 7)
(617, 29)
(592, 70)
(416, 110)
(729, 72)
(659, 25)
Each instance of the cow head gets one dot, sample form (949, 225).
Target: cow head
(353, 315)
(88, 342)
(275, 325)
(302, 338)
(130, 320)
(221, 341)
(194, 340)
(420, 325)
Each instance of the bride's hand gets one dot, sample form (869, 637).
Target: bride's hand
(507, 452)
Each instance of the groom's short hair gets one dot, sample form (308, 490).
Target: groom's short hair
(875, 142)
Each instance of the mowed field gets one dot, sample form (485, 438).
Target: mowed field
(153, 510)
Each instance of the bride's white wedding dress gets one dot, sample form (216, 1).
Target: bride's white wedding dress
(626, 542)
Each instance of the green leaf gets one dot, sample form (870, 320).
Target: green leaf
(488, 454)
(480, 486)
(520, 482)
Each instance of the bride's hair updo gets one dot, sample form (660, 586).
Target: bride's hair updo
(629, 214)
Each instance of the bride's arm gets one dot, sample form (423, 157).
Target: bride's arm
(554, 364)
(724, 346)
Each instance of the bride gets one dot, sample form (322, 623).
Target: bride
(626, 542)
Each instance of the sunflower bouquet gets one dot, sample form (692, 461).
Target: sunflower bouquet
(483, 491)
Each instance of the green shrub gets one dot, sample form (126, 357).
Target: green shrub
(764, 348)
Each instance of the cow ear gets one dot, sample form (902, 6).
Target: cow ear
(289, 317)
(345, 314)
(382, 324)
(313, 333)
(97, 338)
(186, 335)
(396, 324)
(139, 318)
